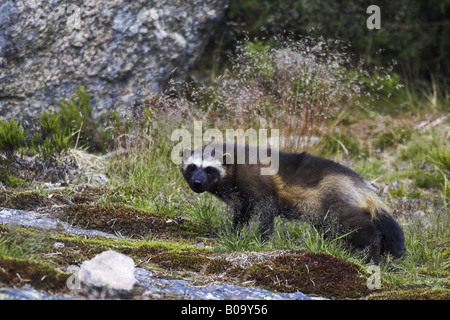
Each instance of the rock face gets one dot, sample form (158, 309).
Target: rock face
(109, 268)
(120, 50)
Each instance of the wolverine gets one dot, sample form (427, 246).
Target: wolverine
(302, 186)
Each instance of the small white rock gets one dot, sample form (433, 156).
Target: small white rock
(109, 268)
(58, 245)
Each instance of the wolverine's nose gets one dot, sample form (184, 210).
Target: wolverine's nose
(197, 183)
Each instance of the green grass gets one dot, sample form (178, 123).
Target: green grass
(12, 247)
(144, 175)
(413, 99)
(343, 143)
(287, 235)
(392, 137)
(205, 209)
(426, 238)
(17, 245)
(413, 164)
(12, 137)
(425, 263)
(428, 162)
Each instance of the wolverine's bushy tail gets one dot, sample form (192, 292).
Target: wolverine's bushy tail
(393, 239)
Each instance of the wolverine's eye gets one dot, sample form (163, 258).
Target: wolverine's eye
(191, 167)
(209, 170)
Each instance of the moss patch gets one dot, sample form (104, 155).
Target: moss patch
(26, 201)
(218, 265)
(128, 221)
(81, 199)
(167, 255)
(412, 294)
(18, 272)
(289, 271)
(319, 274)
(192, 261)
(283, 271)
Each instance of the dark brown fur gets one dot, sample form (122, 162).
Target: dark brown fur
(311, 188)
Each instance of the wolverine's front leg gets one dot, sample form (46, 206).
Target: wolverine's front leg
(242, 214)
(265, 209)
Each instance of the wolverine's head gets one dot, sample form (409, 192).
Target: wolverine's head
(203, 168)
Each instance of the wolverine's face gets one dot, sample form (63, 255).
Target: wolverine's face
(202, 171)
(201, 179)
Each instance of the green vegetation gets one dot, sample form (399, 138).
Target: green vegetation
(77, 116)
(51, 136)
(164, 226)
(414, 34)
(15, 272)
(392, 137)
(426, 265)
(12, 137)
(51, 142)
(343, 143)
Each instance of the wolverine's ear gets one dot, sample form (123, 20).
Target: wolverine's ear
(187, 152)
(227, 158)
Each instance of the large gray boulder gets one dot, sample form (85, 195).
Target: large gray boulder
(120, 50)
